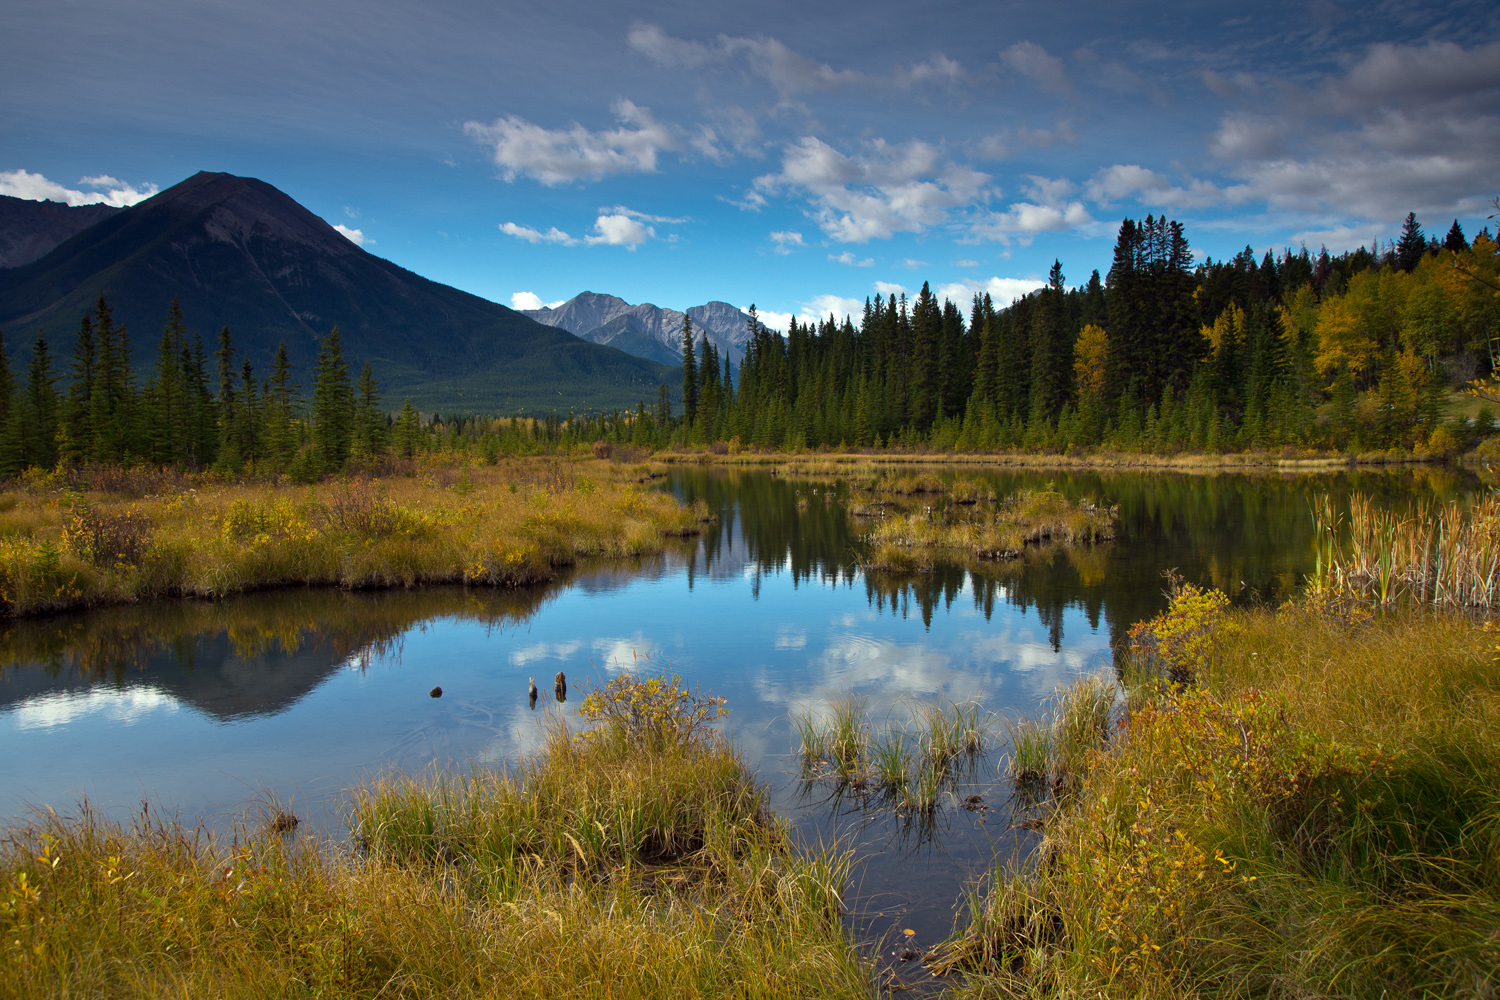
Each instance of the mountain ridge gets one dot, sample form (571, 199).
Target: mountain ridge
(238, 252)
(648, 330)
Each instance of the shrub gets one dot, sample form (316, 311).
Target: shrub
(653, 712)
(107, 538)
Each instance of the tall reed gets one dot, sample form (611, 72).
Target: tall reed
(1442, 554)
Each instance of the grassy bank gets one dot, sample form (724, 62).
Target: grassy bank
(1280, 460)
(71, 542)
(635, 860)
(1303, 802)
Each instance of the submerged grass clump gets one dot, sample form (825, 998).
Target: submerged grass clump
(606, 865)
(1301, 802)
(909, 764)
(64, 548)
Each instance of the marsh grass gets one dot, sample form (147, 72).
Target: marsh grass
(603, 866)
(909, 764)
(972, 527)
(501, 526)
(1446, 555)
(1314, 813)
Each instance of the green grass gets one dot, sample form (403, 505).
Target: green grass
(1315, 813)
(603, 866)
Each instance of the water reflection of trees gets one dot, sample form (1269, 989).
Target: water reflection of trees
(1248, 535)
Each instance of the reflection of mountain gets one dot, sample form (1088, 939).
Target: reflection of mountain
(256, 655)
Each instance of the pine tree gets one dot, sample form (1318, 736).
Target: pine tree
(333, 404)
(281, 405)
(409, 430)
(78, 415)
(369, 421)
(689, 374)
(1455, 241)
(1412, 245)
(40, 406)
(229, 456)
(169, 416)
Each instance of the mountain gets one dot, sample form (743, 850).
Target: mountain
(239, 253)
(646, 330)
(30, 229)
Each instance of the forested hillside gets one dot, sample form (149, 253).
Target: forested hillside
(1359, 350)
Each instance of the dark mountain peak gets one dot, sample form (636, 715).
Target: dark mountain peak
(237, 252)
(236, 208)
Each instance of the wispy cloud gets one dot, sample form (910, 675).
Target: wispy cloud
(561, 156)
(874, 193)
(618, 228)
(848, 258)
(786, 241)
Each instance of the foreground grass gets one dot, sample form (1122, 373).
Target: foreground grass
(1299, 803)
(972, 523)
(637, 861)
(66, 546)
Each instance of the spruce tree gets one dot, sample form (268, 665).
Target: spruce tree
(40, 408)
(369, 421)
(689, 374)
(1412, 245)
(409, 430)
(78, 426)
(1455, 241)
(229, 437)
(281, 403)
(333, 404)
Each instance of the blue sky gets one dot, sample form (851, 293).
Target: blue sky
(797, 156)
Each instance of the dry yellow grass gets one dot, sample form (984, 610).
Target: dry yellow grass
(503, 526)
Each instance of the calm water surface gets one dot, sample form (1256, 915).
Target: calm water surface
(206, 709)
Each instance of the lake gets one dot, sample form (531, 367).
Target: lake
(208, 709)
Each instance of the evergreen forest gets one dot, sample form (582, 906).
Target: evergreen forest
(1356, 352)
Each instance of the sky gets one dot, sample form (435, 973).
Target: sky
(795, 156)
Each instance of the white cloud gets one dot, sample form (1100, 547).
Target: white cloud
(530, 235)
(871, 195)
(531, 300)
(107, 190)
(644, 217)
(966, 263)
(820, 307)
(1003, 291)
(890, 288)
(560, 156)
(619, 228)
(1336, 239)
(1023, 220)
(1129, 180)
(911, 264)
(778, 321)
(786, 241)
(619, 231)
(355, 236)
(847, 257)
(1031, 60)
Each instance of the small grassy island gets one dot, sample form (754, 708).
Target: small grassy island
(915, 521)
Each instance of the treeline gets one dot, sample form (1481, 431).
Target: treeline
(194, 412)
(1351, 351)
